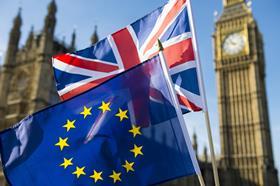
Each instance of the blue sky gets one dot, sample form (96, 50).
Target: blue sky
(111, 15)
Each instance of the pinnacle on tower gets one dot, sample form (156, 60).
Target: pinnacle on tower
(18, 20)
(63, 40)
(17, 24)
(195, 145)
(94, 37)
(30, 38)
(52, 8)
(50, 19)
(14, 39)
(205, 154)
(73, 41)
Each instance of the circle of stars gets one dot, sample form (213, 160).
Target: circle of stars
(97, 175)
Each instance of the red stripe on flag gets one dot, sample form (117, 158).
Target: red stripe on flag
(127, 48)
(191, 106)
(84, 88)
(170, 17)
(178, 53)
(86, 64)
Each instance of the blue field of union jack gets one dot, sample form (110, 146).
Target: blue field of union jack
(84, 69)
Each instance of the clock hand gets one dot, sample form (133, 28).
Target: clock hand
(233, 43)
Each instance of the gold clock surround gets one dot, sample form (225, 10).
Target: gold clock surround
(244, 50)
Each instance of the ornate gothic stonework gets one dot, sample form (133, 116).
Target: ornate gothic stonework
(246, 148)
(26, 79)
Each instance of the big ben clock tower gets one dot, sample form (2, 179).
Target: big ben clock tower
(246, 148)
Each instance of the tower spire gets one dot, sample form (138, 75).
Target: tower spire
(50, 19)
(195, 145)
(14, 39)
(94, 37)
(73, 41)
(18, 20)
(205, 154)
(30, 38)
(46, 41)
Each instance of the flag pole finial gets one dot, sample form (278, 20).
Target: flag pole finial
(160, 47)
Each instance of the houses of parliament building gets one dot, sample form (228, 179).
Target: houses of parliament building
(246, 159)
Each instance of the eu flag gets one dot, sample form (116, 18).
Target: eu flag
(114, 134)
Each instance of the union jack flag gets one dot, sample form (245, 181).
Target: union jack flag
(84, 69)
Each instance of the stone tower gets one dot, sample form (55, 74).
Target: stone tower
(26, 80)
(246, 149)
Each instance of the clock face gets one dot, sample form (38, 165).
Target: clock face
(234, 44)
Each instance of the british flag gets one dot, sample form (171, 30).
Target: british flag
(84, 69)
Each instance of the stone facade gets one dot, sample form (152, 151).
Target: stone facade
(26, 79)
(27, 85)
(246, 148)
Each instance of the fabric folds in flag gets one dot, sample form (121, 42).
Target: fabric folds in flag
(96, 138)
(120, 51)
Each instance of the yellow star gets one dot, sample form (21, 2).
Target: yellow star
(96, 176)
(79, 171)
(116, 176)
(62, 143)
(66, 163)
(128, 166)
(105, 107)
(69, 125)
(122, 114)
(86, 111)
(135, 130)
(137, 150)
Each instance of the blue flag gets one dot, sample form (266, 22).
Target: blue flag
(112, 134)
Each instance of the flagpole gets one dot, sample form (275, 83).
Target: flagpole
(202, 91)
(174, 98)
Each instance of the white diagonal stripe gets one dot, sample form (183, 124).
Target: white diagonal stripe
(173, 20)
(93, 60)
(168, 43)
(72, 86)
(159, 22)
(182, 67)
(195, 99)
(157, 27)
(184, 107)
(75, 70)
(133, 35)
(115, 51)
